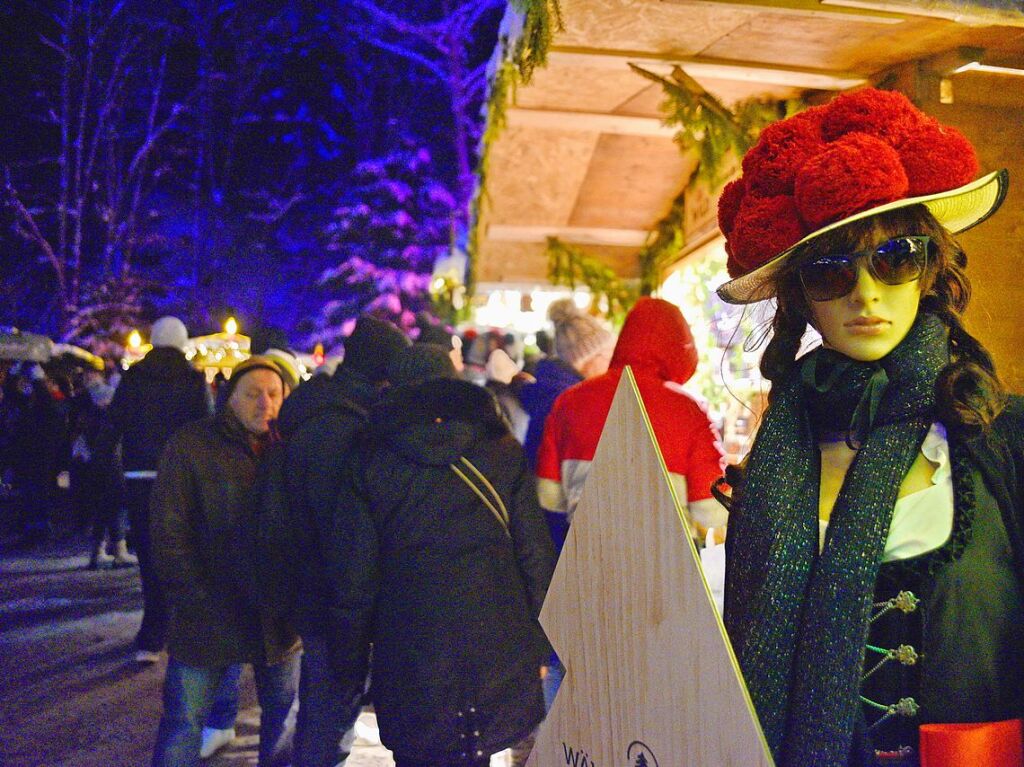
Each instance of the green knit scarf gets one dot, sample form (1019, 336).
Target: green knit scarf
(798, 620)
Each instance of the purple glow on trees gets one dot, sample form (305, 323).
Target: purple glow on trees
(393, 223)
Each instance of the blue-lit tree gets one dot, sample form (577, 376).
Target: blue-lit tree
(98, 118)
(391, 226)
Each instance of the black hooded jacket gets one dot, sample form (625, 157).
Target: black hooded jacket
(426, 572)
(318, 425)
(157, 395)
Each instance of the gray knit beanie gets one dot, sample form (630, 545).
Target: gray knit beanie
(578, 336)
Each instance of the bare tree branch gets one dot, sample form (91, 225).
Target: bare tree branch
(406, 53)
(428, 33)
(276, 208)
(60, 49)
(468, 16)
(29, 229)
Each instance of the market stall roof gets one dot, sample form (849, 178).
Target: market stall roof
(586, 157)
(25, 347)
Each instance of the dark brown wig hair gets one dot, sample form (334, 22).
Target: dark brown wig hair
(968, 390)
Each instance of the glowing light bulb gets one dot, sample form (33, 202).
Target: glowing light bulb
(134, 340)
(231, 326)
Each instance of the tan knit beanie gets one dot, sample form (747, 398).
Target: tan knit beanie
(578, 336)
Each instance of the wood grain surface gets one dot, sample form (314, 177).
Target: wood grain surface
(651, 679)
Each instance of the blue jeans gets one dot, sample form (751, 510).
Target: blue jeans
(190, 693)
(225, 704)
(326, 713)
(551, 683)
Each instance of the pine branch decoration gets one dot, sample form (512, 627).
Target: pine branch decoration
(519, 59)
(706, 125)
(541, 19)
(570, 266)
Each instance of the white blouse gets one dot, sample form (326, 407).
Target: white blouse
(923, 520)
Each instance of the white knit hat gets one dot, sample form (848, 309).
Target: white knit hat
(578, 336)
(169, 331)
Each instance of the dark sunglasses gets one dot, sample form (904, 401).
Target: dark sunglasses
(894, 262)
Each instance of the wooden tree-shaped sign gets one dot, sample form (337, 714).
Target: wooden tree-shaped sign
(650, 675)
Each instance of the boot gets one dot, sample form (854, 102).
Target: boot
(100, 558)
(121, 556)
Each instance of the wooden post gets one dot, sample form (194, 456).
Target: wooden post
(650, 675)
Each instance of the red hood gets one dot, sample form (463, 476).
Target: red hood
(656, 337)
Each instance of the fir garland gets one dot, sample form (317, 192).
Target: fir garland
(570, 266)
(705, 124)
(664, 242)
(719, 135)
(541, 18)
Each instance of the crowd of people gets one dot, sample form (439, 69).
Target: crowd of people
(387, 533)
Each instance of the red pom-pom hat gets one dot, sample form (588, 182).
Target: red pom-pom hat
(864, 153)
(853, 173)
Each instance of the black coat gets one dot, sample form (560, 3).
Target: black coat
(98, 481)
(38, 447)
(455, 598)
(157, 395)
(298, 491)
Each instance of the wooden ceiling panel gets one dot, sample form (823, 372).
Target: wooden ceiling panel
(797, 41)
(630, 183)
(524, 262)
(646, 102)
(732, 92)
(534, 175)
(854, 46)
(585, 156)
(1001, 91)
(646, 25)
(585, 89)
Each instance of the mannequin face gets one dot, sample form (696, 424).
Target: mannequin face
(870, 321)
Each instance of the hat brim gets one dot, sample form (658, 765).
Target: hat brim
(957, 210)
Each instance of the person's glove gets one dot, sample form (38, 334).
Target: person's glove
(36, 372)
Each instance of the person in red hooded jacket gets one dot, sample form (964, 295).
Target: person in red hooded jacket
(657, 345)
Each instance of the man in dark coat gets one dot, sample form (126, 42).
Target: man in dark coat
(37, 450)
(441, 558)
(319, 423)
(200, 498)
(156, 396)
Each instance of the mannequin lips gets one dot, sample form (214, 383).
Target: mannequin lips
(867, 326)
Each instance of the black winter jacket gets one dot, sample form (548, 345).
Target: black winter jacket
(318, 425)
(454, 597)
(156, 396)
(38, 448)
(100, 478)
